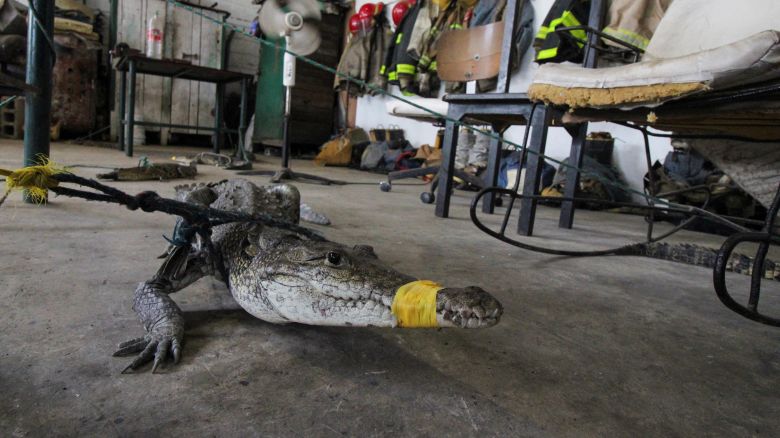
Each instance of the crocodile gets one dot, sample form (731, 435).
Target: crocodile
(155, 171)
(282, 275)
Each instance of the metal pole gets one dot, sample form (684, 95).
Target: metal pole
(218, 118)
(130, 112)
(121, 110)
(285, 133)
(113, 25)
(40, 60)
(242, 119)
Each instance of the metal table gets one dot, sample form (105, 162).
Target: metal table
(134, 64)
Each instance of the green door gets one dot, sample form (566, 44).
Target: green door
(269, 104)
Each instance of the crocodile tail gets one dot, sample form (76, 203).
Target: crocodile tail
(113, 175)
(701, 256)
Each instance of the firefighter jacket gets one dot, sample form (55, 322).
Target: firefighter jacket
(400, 68)
(363, 59)
(552, 47)
(451, 16)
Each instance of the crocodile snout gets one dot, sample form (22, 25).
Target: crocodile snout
(469, 307)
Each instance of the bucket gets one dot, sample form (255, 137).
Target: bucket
(599, 146)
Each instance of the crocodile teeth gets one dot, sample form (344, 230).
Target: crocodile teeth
(456, 318)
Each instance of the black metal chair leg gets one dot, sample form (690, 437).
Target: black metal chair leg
(533, 170)
(447, 169)
(576, 155)
(491, 174)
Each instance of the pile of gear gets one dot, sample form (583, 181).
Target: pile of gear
(382, 150)
(686, 177)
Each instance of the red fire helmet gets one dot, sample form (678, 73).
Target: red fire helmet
(368, 10)
(399, 11)
(355, 23)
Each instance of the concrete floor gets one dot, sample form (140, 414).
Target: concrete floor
(587, 347)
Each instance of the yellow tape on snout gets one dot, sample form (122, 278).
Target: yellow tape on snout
(414, 305)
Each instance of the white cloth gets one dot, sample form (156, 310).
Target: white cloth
(718, 43)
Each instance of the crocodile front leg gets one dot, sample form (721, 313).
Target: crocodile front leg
(159, 314)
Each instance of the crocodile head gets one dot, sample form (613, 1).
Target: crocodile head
(284, 277)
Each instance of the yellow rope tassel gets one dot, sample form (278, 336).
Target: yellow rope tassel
(35, 179)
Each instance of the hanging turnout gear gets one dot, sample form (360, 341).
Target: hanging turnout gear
(551, 47)
(363, 59)
(451, 16)
(400, 68)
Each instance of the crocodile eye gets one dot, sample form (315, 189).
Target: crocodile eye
(333, 258)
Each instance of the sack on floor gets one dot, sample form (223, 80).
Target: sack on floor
(357, 136)
(372, 156)
(406, 160)
(430, 155)
(338, 151)
(357, 155)
(397, 150)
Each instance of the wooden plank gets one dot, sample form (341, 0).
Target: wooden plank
(195, 43)
(167, 87)
(139, 95)
(180, 88)
(243, 55)
(210, 56)
(151, 89)
(130, 32)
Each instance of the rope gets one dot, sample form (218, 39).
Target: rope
(35, 179)
(47, 176)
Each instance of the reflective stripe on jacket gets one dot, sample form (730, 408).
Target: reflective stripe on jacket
(551, 47)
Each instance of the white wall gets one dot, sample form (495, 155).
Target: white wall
(628, 156)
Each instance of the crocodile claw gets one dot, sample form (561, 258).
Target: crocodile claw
(157, 347)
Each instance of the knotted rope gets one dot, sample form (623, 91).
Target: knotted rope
(47, 176)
